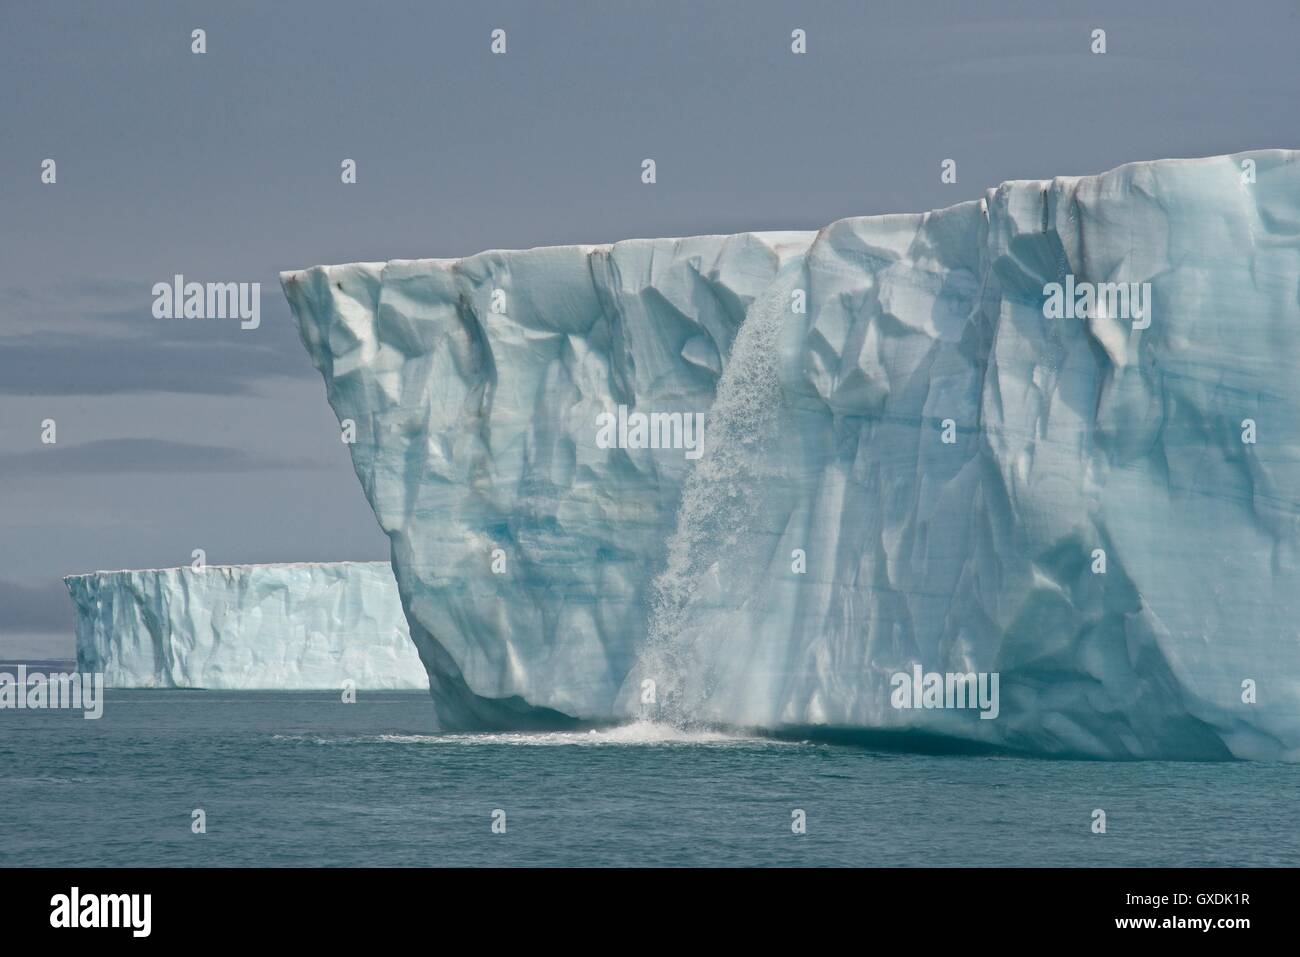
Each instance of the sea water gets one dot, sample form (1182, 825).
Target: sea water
(301, 778)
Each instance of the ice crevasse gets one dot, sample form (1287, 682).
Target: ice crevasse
(912, 461)
(288, 627)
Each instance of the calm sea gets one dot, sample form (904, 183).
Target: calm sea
(303, 779)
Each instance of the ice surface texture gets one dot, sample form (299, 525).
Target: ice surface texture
(287, 627)
(545, 576)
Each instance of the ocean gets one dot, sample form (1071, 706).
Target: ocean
(303, 779)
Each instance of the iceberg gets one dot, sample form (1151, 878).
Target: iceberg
(1046, 442)
(284, 627)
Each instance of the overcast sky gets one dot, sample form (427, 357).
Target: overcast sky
(225, 167)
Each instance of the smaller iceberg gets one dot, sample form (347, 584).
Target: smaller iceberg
(286, 627)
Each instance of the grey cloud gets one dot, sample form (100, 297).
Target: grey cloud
(40, 608)
(99, 337)
(204, 361)
(133, 455)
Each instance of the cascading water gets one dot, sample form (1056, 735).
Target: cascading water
(719, 507)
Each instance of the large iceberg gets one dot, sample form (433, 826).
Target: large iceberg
(1049, 439)
(287, 627)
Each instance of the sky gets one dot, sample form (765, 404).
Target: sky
(225, 167)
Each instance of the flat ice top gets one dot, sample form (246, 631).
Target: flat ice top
(778, 237)
(215, 567)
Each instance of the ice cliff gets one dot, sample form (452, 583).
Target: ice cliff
(287, 627)
(912, 458)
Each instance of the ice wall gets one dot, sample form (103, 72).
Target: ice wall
(907, 461)
(287, 627)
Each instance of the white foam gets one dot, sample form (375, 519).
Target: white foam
(642, 733)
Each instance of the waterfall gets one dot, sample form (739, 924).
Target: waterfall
(720, 500)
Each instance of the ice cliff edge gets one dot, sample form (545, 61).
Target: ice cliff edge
(1051, 435)
(286, 627)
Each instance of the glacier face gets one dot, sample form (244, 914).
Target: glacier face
(286, 627)
(909, 461)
